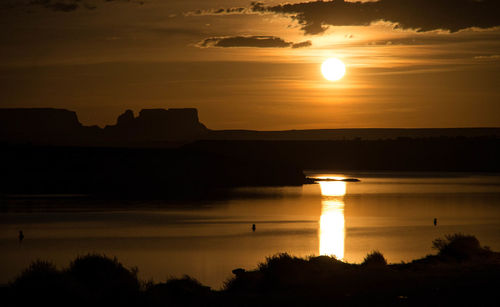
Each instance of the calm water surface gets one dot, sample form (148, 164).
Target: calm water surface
(207, 239)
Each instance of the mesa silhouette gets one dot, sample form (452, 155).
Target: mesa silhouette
(174, 127)
(169, 154)
(47, 126)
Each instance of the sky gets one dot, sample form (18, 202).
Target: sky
(256, 65)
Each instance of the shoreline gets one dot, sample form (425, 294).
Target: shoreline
(460, 263)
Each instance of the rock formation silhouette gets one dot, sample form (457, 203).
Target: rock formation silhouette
(38, 124)
(174, 127)
(157, 125)
(61, 127)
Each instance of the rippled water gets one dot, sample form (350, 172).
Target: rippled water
(388, 212)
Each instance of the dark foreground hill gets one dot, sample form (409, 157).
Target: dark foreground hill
(462, 274)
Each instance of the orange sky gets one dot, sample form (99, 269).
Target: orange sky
(162, 54)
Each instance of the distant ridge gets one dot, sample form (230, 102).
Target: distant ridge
(352, 133)
(173, 127)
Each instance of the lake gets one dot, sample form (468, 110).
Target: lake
(389, 212)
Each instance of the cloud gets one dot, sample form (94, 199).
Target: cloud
(491, 57)
(221, 11)
(421, 15)
(302, 44)
(67, 5)
(251, 41)
(58, 6)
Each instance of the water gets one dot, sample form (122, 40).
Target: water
(208, 239)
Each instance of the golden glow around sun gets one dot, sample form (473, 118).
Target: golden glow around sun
(333, 69)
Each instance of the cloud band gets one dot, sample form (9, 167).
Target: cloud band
(251, 41)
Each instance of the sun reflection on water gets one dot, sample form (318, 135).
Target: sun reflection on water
(332, 222)
(332, 188)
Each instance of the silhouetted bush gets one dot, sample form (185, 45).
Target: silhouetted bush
(41, 282)
(38, 271)
(185, 286)
(282, 280)
(374, 258)
(326, 262)
(105, 279)
(185, 291)
(282, 262)
(282, 271)
(459, 246)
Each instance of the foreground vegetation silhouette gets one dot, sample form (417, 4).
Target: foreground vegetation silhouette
(461, 273)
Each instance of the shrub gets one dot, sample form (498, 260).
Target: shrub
(184, 291)
(38, 274)
(281, 263)
(374, 258)
(105, 279)
(40, 282)
(458, 246)
(38, 269)
(185, 286)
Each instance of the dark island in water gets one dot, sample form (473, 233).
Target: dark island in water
(462, 273)
(170, 154)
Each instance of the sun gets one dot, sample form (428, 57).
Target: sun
(333, 69)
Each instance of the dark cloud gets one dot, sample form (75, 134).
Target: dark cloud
(230, 10)
(67, 5)
(56, 5)
(302, 44)
(421, 15)
(251, 41)
(221, 11)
